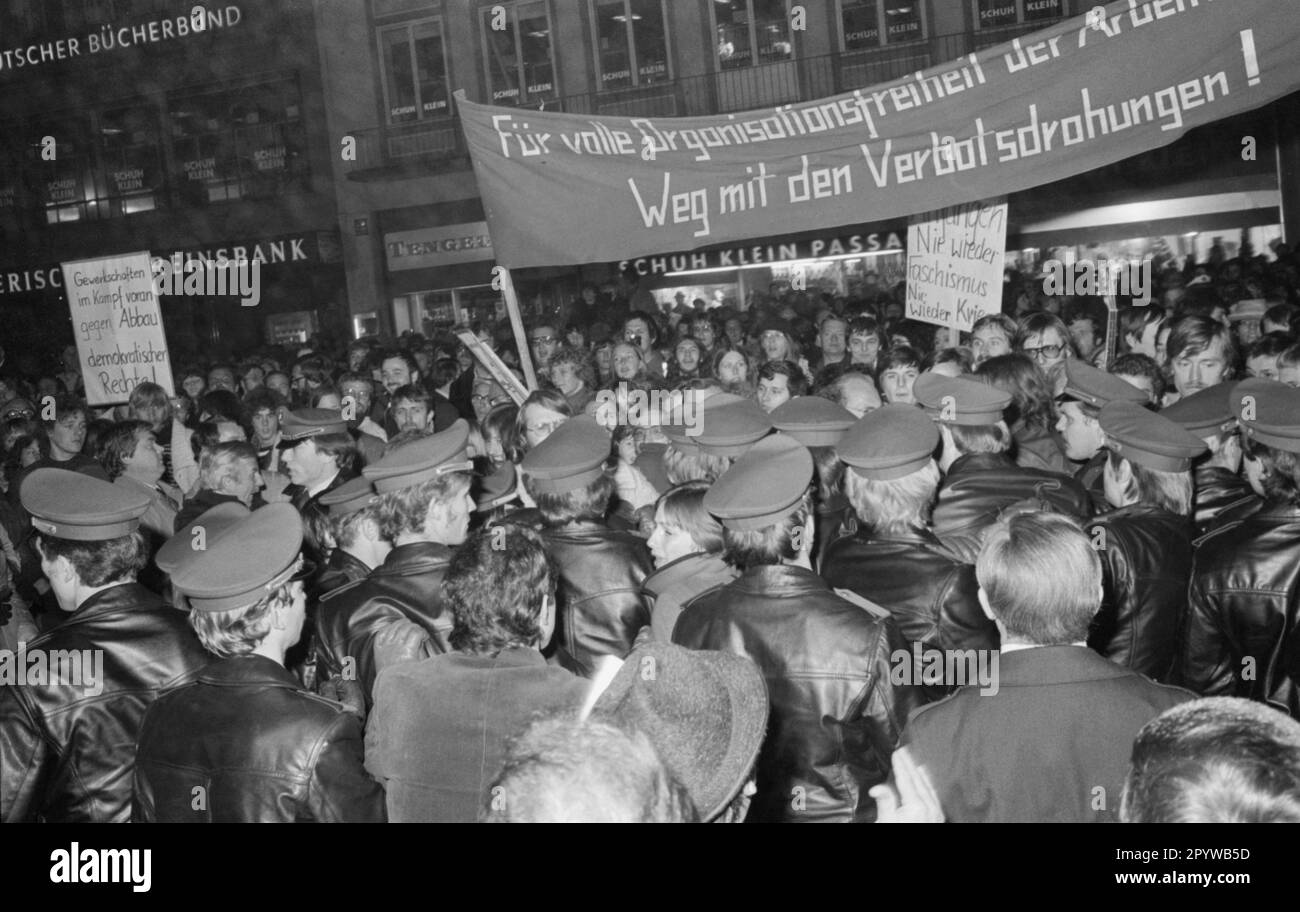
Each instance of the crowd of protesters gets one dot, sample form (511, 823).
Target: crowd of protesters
(390, 538)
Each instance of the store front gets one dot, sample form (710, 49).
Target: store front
(845, 263)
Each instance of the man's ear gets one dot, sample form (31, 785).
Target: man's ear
(370, 530)
(984, 604)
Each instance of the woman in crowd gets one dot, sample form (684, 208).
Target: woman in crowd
(1032, 415)
(686, 545)
(149, 403)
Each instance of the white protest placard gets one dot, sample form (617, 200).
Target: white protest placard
(955, 259)
(118, 326)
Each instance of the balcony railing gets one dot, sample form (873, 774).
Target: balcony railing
(385, 150)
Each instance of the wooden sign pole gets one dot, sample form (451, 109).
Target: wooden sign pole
(517, 324)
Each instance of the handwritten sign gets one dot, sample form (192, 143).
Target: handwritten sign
(955, 259)
(118, 326)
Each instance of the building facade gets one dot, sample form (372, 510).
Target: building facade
(192, 131)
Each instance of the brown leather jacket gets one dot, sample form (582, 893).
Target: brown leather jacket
(600, 607)
(1243, 624)
(406, 586)
(259, 749)
(67, 748)
(1146, 556)
(835, 715)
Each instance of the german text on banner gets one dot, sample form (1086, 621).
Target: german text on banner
(1080, 95)
(118, 326)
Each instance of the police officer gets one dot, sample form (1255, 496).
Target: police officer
(891, 557)
(1243, 628)
(320, 455)
(245, 742)
(819, 424)
(980, 477)
(1219, 493)
(726, 427)
(1087, 389)
(359, 545)
(600, 605)
(1145, 542)
(68, 731)
(423, 508)
(835, 715)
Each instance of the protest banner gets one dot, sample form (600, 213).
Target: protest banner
(955, 259)
(118, 326)
(1078, 95)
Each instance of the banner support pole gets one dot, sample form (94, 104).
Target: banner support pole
(517, 324)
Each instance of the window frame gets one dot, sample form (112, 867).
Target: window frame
(524, 98)
(409, 27)
(885, 43)
(633, 60)
(1020, 16)
(753, 39)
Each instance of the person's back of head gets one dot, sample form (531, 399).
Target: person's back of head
(1039, 578)
(563, 770)
(1215, 760)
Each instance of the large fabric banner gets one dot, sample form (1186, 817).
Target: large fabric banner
(1087, 92)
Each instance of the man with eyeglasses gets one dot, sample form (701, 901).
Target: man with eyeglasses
(1045, 338)
(488, 394)
(544, 342)
(18, 407)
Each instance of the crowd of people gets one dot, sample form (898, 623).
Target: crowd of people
(837, 565)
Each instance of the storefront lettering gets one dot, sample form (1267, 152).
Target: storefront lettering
(31, 280)
(398, 249)
(130, 179)
(110, 38)
(200, 169)
(771, 253)
(271, 159)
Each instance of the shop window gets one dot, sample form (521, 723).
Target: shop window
(62, 178)
(240, 143)
(867, 24)
(752, 32)
(996, 13)
(130, 143)
(431, 311)
(520, 61)
(631, 43)
(414, 60)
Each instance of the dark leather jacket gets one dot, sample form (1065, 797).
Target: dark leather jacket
(978, 487)
(600, 608)
(1146, 559)
(1092, 475)
(835, 716)
(406, 586)
(262, 749)
(341, 568)
(930, 594)
(674, 584)
(1244, 604)
(1039, 448)
(67, 749)
(1221, 496)
(314, 516)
